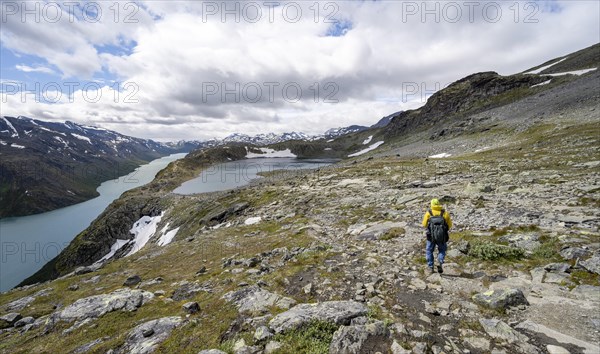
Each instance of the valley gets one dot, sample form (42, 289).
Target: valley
(332, 259)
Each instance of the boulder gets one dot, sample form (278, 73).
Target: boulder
(9, 319)
(272, 346)
(262, 333)
(191, 307)
(376, 231)
(501, 298)
(253, 299)
(132, 280)
(358, 339)
(211, 351)
(95, 306)
(187, 290)
(337, 312)
(592, 264)
(19, 304)
(24, 321)
(528, 242)
(557, 267)
(158, 330)
(571, 253)
(398, 349)
(500, 330)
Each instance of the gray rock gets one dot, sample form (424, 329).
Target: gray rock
(527, 242)
(592, 264)
(73, 287)
(160, 330)
(571, 253)
(95, 306)
(272, 346)
(557, 278)
(262, 333)
(554, 349)
(9, 319)
(19, 304)
(376, 231)
(24, 321)
(454, 253)
(503, 298)
(356, 339)
(132, 280)
(88, 346)
(187, 290)
(420, 348)
(478, 343)
(463, 246)
(253, 299)
(337, 312)
(500, 330)
(398, 349)
(588, 292)
(557, 267)
(191, 307)
(211, 351)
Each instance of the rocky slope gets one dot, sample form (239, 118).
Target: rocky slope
(333, 260)
(47, 165)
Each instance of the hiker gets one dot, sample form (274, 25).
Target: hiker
(437, 222)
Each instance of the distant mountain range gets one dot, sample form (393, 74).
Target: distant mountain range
(272, 138)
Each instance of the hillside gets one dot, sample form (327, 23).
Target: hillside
(46, 165)
(332, 260)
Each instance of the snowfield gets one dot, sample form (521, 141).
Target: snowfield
(576, 72)
(370, 148)
(440, 156)
(167, 237)
(81, 137)
(542, 84)
(537, 71)
(270, 153)
(143, 229)
(253, 220)
(368, 140)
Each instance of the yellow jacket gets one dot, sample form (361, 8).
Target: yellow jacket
(437, 210)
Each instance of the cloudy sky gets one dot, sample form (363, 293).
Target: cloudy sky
(196, 70)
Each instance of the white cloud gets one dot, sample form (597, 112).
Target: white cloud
(178, 54)
(38, 69)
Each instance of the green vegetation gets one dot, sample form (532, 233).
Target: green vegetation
(393, 233)
(313, 338)
(490, 251)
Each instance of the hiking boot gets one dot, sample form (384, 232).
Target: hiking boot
(440, 269)
(431, 270)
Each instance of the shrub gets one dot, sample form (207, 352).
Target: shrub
(394, 232)
(313, 338)
(492, 251)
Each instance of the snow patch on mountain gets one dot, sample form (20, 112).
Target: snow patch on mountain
(113, 249)
(167, 236)
(576, 72)
(368, 140)
(537, 71)
(440, 156)
(143, 230)
(81, 137)
(9, 124)
(269, 153)
(370, 148)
